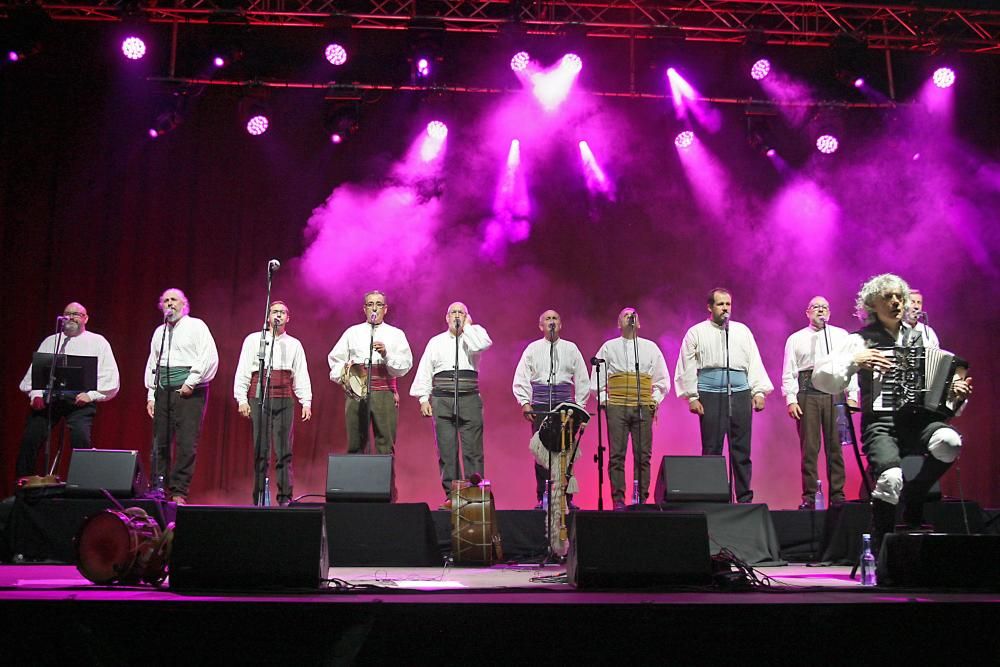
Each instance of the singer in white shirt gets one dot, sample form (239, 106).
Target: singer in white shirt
(391, 359)
(916, 317)
(183, 361)
(78, 410)
(630, 402)
(288, 379)
(435, 386)
(815, 412)
(550, 371)
(704, 379)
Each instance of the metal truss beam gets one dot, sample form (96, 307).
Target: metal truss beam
(818, 23)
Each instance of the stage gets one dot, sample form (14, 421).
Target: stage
(518, 610)
(495, 615)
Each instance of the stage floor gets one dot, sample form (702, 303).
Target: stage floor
(512, 583)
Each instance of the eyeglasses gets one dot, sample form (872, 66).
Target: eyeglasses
(74, 314)
(374, 304)
(819, 307)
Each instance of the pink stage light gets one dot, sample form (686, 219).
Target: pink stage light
(335, 54)
(520, 61)
(571, 63)
(219, 61)
(257, 125)
(423, 67)
(827, 144)
(437, 130)
(153, 134)
(760, 69)
(514, 154)
(859, 82)
(770, 152)
(133, 48)
(944, 77)
(336, 138)
(13, 56)
(684, 139)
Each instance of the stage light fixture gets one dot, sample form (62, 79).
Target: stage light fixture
(437, 130)
(827, 144)
(426, 49)
(571, 63)
(519, 62)
(944, 77)
(26, 29)
(684, 139)
(342, 118)
(133, 47)
(760, 69)
(165, 122)
(258, 124)
(335, 54)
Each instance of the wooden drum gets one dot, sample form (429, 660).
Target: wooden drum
(475, 536)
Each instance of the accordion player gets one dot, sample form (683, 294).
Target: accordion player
(920, 381)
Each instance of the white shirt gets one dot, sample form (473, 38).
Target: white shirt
(439, 355)
(188, 343)
(86, 344)
(619, 353)
(805, 350)
(355, 344)
(930, 337)
(704, 346)
(536, 365)
(288, 356)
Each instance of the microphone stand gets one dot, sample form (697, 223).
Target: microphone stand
(729, 418)
(548, 481)
(637, 455)
(263, 384)
(49, 387)
(454, 400)
(599, 456)
(157, 491)
(368, 387)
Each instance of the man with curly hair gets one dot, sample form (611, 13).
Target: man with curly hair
(889, 434)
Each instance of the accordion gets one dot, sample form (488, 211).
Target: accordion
(920, 381)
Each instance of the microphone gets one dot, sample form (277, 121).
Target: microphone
(597, 361)
(372, 318)
(61, 318)
(273, 265)
(725, 321)
(922, 316)
(552, 326)
(824, 319)
(458, 323)
(631, 318)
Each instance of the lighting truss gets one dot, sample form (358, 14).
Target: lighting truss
(899, 26)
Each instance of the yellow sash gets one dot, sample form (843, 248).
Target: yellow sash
(621, 389)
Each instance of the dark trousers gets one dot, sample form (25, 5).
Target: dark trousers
(819, 419)
(447, 432)
(888, 439)
(279, 414)
(183, 428)
(79, 421)
(713, 433)
(622, 423)
(380, 416)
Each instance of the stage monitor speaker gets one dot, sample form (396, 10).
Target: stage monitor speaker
(117, 471)
(359, 478)
(397, 534)
(940, 560)
(248, 548)
(638, 550)
(692, 479)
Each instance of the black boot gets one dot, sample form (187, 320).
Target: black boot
(883, 522)
(915, 491)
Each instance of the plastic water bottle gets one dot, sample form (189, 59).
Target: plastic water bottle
(820, 498)
(545, 498)
(635, 492)
(267, 491)
(867, 561)
(843, 429)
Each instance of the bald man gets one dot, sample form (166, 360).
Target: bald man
(183, 360)
(434, 386)
(551, 371)
(815, 411)
(78, 409)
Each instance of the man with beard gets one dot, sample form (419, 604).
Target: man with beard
(77, 410)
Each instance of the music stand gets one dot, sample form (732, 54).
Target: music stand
(72, 374)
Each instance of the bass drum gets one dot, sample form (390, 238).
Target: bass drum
(475, 537)
(127, 547)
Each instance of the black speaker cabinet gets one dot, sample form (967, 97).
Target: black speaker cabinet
(359, 478)
(248, 548)
(692, 479)
(117, 471)
(638, 549)
(940, 560)
(385, 534)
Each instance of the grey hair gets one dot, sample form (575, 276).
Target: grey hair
(187, 303)
(864, 303)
